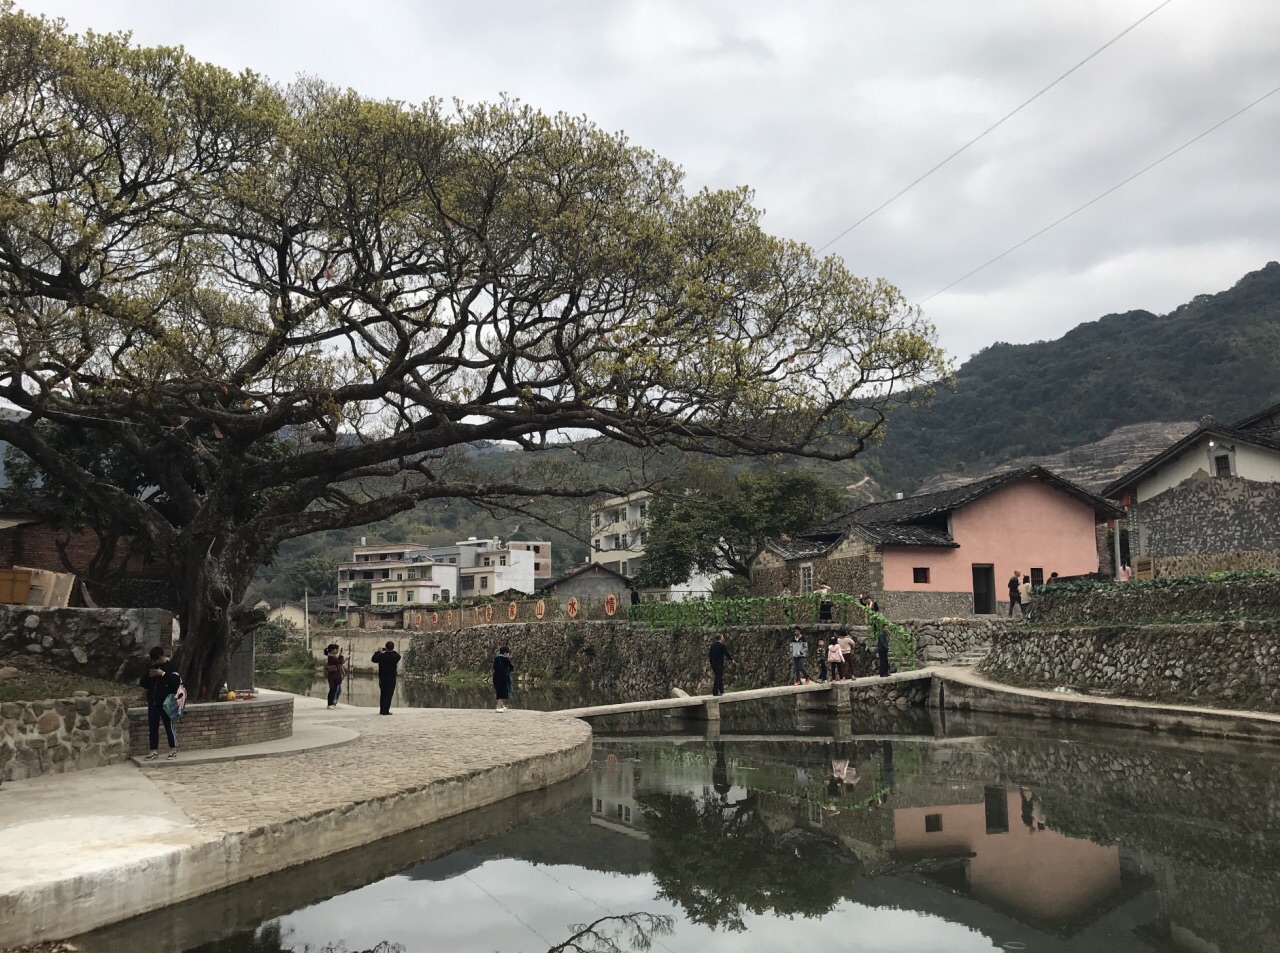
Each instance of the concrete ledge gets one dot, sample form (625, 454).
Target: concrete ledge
(751, 694)
(961, 690)
(149, 858)
(306, 737)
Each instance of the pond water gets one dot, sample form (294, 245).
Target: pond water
(789, 832)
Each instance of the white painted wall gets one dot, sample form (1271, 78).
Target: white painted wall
(516, 574)
(1250, 463)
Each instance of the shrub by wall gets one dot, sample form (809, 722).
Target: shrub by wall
(1234, 595)
(1218, 664)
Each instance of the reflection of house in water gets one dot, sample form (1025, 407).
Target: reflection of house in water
(998, 850)
(617, 785)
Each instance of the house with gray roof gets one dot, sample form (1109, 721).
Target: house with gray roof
(947, 553)
(1209, 502)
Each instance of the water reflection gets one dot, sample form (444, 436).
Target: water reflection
(987, 834)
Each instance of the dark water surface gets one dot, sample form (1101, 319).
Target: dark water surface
(792, 832)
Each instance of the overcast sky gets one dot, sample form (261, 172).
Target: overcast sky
(828, 108)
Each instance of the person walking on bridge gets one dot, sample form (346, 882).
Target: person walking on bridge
(719, 654)
(799, 649)
(386, 658)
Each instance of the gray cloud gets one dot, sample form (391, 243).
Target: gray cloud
(827, 107)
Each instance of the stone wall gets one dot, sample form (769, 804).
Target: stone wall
(1137, 602)
(99, 643)
(926, 605)
(1202, 564)
(853, 567)
(1211, 515)
(220, 724)
(940, 640)
(633, 661)
(66, 734)
(1220, 664)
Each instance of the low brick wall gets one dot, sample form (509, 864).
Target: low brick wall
(1223, 664)
(220, 724)
(1172, 599)
(58, 735)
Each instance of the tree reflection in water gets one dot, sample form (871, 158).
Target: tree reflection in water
(607, 934)
(718, 860)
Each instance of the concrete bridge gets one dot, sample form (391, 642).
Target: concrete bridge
(833, 697)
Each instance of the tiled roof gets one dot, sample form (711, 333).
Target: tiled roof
(904, 534)
(1255, 431)
(796, 548)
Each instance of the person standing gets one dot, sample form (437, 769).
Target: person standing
(1024, 593)
(876, 622)
(1015, 594)
(836, 660)
(387, 659)
(502, 676)
(799, 649)
(1126, 572)
(334, 672)
(846, 649)
(719, 654)
(160, 681)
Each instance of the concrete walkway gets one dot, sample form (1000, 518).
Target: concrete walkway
(965, 690)
(750, 694)
(90, 848)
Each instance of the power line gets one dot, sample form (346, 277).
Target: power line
(899, 194)
(1098, 198)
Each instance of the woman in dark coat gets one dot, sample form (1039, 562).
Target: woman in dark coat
(502, 669)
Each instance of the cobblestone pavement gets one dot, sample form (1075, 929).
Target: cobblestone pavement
(406, 751)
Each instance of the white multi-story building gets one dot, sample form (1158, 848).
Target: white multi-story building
(413, 573)
(619, 531)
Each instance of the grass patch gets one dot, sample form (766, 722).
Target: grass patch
(37, 680)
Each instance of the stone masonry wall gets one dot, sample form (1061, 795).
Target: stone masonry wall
(219, 724)
(99, 643)
(1202, 564)
(66, 734)
(1211, 515)
(1220, 664)
(632, 661)
(1165, 600)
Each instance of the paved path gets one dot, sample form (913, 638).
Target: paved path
(751, 694)
(94, 847)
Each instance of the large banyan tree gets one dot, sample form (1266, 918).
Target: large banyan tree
(275, 310)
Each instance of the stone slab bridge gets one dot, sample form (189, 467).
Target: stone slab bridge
(832, 697)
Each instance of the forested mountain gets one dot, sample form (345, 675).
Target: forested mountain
(1217, 354)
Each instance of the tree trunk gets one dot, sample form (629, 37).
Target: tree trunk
(208, 636)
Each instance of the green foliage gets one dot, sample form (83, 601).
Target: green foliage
(315, 574)
(296, 309)
(273, 635)
(1163, 582)
(711, 522)
(1218, 354)
(702, 614)
(730, 587)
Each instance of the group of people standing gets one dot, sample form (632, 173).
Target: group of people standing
(1022, 592)
(835, 659)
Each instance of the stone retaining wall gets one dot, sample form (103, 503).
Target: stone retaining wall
(220, 724)
(1201, 564)
(99, 643)
(1223, 664)
(1135, 603)
(65, 734)
(634, 661)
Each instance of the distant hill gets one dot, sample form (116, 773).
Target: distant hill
(1217, 354)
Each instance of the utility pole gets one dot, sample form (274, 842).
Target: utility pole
(306, 619)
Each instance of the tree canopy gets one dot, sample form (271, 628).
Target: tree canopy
(714, 523)
(291, 308)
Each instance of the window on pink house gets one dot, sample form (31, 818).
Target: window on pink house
(920, 575)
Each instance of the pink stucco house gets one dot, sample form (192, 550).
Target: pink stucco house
(948, 553)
